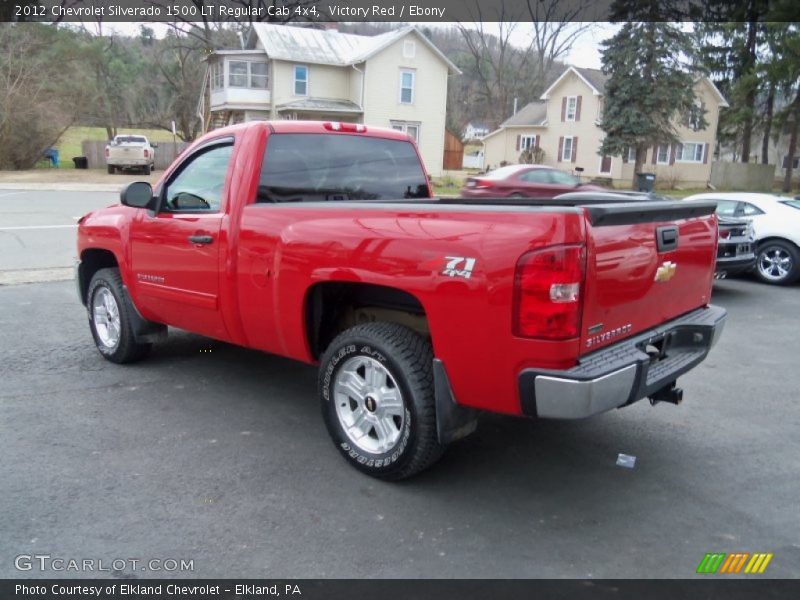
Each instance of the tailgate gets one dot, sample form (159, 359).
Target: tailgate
(647, 263)
(126, 151)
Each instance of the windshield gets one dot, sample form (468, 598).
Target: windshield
(130, 139)
(303, 167)
(562, 178)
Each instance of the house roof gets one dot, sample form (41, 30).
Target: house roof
(594, 78)
(533, 114)
(321, 105)
(330, 47)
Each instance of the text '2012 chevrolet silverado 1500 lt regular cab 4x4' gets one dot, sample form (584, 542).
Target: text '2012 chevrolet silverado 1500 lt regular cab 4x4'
(321, 242)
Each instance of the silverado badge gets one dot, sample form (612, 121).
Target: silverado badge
(666, 271)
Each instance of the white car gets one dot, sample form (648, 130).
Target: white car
(776, 225)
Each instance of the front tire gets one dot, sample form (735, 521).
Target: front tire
(778, 262)
(110, 319)
(377, 393)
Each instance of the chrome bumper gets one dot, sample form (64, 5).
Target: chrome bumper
(623, 373)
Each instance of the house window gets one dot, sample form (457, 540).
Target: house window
(690, 152)
(662, 154)
(216, 76)
(409, 127)
(244, 73)
(409, 49)
(527, 142)
(572, 107)
(695, 117)
(407, 87)
(237, 73)
(258, 75)
(566, 151)
(632, 154)
(300, 80)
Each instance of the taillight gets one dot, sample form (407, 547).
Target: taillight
(108, 152)
(146, 153)
(481, 184)
(547, 293)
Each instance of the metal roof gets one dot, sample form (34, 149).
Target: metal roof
(330, 47)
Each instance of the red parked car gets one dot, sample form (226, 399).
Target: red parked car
(525, 181)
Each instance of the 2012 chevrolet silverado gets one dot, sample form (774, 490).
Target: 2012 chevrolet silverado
(322, 242)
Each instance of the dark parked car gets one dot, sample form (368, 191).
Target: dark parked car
(524, 181)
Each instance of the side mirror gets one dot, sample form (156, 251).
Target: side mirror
(138, 194)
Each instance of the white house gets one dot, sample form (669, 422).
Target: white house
(475, 130)
(397, 79)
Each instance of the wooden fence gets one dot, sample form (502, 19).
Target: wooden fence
(95, 152)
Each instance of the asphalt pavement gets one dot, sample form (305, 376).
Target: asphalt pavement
(214, 454)
(37, 231)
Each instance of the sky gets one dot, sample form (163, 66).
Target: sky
(585, 52)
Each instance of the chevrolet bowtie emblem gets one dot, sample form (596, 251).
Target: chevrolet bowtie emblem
(666, 271)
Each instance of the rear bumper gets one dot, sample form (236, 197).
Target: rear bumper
(735, 257)
(128, 162)
(623, 373)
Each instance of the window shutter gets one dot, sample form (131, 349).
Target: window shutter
(625, 157)
(785, 162)
(655, 154)
(574, 149)
(578, 108)
(536, 141)
(519, 141)
(705, 154)
(560, 148)
(563, 109)
(673, 152)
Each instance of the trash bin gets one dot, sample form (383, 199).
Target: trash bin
(81, 162)
(645, 181)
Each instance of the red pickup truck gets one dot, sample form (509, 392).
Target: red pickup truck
(322, 242)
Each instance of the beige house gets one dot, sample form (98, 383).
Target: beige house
(397, 79)
(565, 124)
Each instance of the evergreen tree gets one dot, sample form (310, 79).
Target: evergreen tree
(650, 87)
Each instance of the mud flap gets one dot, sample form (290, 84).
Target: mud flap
(453, 422)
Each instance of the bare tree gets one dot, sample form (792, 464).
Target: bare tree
(511, 59)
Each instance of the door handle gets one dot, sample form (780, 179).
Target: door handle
(201, 239)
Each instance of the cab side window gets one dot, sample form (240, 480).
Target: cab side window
(198, 186)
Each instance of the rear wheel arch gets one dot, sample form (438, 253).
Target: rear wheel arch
(335, 306)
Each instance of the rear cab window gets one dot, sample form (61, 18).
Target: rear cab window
(309, 167)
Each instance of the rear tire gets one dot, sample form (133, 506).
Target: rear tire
(110, 319)
(111, 170)
(146, 170)
(377, 394)
(778, 262)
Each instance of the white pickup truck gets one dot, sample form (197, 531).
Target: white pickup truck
(128, 152)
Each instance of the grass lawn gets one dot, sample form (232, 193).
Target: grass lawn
(70, 143)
